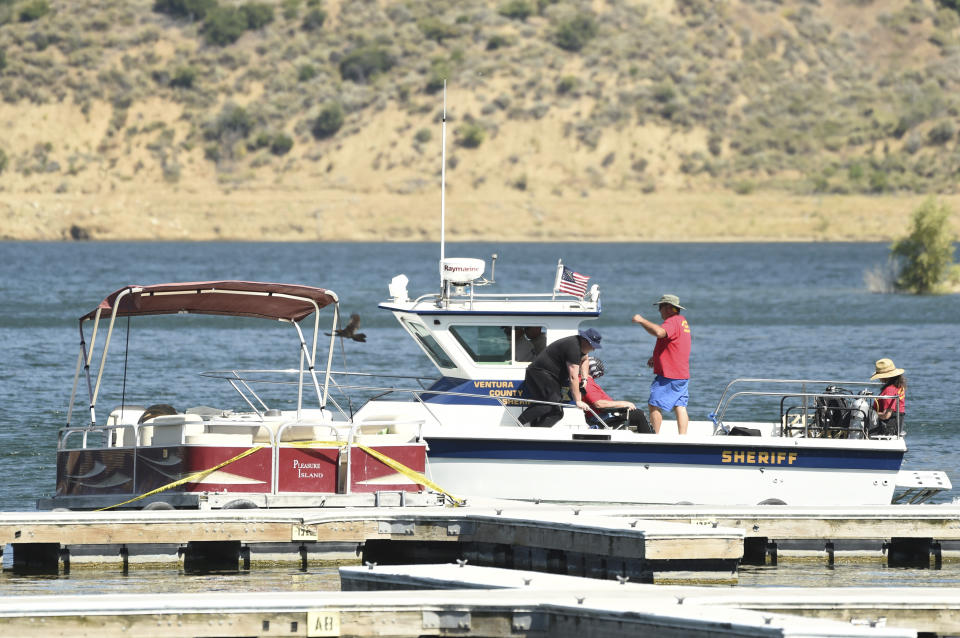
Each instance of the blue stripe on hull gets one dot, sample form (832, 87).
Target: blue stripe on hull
(772, 457)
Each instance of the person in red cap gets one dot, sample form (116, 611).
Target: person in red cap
(670, 362)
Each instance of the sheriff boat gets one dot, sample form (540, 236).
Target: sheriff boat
(810, 446)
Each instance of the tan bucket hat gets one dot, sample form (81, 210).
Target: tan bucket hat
(673, 300)
(886, 369)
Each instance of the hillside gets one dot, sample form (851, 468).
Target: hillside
(610, 119)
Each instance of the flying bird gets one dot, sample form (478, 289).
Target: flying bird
(350, 332)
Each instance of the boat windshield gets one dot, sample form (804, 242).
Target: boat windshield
(429, 344)
(500, 344)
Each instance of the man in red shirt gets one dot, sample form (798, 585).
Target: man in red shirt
(670, 362)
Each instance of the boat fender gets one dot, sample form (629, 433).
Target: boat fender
(241, 504)
(771, 501)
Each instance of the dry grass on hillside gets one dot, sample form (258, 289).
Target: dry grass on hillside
(677, 120)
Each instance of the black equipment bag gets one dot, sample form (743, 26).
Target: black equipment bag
(634, 420)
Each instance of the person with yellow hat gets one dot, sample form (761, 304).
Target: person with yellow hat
(890, 411)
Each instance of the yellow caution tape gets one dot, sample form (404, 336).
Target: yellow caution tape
(196, 476)
(410, 473)
(415, 476)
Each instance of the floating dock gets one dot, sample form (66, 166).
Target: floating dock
(597, 608)
(562, 541)
(544, 570)
(930, 610)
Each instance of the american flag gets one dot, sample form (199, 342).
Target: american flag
(573, 282)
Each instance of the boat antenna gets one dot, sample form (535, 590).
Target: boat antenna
(443, 178)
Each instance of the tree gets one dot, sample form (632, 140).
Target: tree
(925, 256)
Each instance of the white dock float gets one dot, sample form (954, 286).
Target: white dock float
(934, 610)
(536, 613)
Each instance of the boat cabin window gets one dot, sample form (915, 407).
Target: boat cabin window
(501, 344)
(434, 351)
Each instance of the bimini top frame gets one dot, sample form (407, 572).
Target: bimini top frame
(282, 302)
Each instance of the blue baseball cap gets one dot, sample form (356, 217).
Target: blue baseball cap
(592, 337)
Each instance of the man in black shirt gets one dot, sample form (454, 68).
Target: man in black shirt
(554, 368)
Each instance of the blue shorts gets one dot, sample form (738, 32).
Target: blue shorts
(666, 393)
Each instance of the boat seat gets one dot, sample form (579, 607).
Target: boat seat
(379, 432)
(172, 429)
(220, 438)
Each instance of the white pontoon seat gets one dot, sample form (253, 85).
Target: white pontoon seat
(170, 429)
(127, 415)
(387, 429)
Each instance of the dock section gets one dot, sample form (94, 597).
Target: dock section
(570, 542)
(930, 610)
(909, 535)
(507, 613)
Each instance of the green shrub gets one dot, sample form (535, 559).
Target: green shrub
(224, 25)
(879, 182)
(439, 73)
(436, 29)
(258, 14)
(925, 256)
(290, 9)
(3, 161)
(361, 64)
(573, 33)
(190, 9)
(281, 144)
(567, 84)
(328, 122)
(941, 133)
(233, 121)
(423, 136)
(516, 10)
(744, 187)
(183, 77)
(497, 42)
(314, 19)
(33, 10)
(306, 72)
(471, 135)
(3, 59)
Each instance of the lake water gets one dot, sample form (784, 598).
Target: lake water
(798, 310)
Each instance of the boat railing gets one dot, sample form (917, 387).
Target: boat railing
(435, 299)
(84, 431)
(834, 412)
(239, 377)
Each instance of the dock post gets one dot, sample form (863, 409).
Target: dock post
(909, 552)
(36, 558)
(64, 555)
(125, 557)
(204, 556)
(755, 550)
(772, 552)
(829, 548)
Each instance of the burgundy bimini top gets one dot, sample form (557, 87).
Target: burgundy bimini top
(234, 298)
